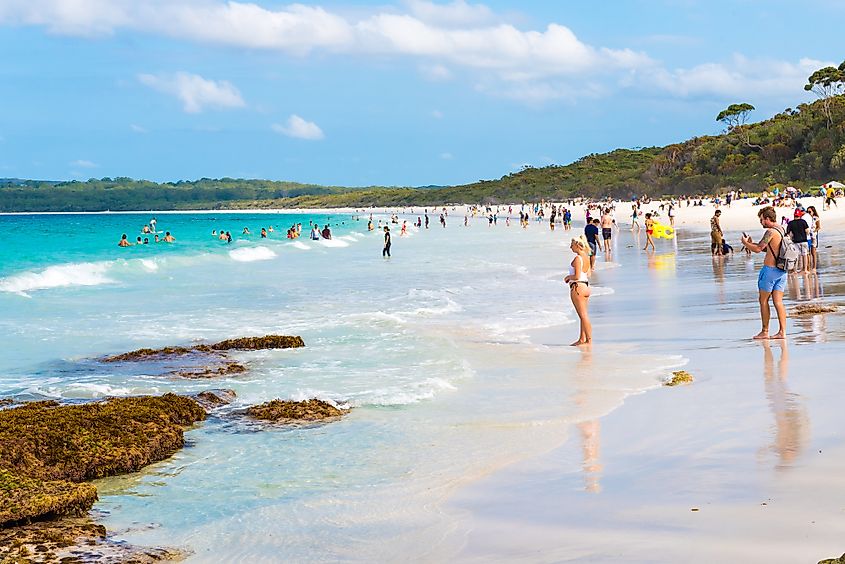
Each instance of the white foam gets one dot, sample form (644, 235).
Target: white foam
(252, 254)
(333, 243)
(62, 275)
(601, 290)
(401, 395)
(149, 264)
(299, 245)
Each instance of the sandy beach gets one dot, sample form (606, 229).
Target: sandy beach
(476, 434)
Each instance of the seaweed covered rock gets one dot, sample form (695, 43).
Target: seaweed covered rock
(260, 343)
(679, 377)
(279, 411)
(23, 498)
(225, 369)
(242, 344)
(74, 540)
(813, 309)
(209, 399)
(840, 560)
(47, 441)
(153, 354)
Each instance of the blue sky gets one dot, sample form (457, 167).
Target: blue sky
(395, 93)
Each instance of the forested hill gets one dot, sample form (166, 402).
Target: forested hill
(803, 146)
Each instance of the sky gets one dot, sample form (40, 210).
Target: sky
(405, 93)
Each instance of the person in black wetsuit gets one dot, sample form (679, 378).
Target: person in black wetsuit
(386, 251)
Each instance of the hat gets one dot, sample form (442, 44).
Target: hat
(799, 213)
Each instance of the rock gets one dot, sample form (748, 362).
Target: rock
(260, 343)
(73, 540)
(840, 560)
(45, 448)
(279, 411)
(230, 367)
(813, 309)
(152, 354)
(23, 498)
(209, 399)
(6, 401)
(679, 377)
(46, 441)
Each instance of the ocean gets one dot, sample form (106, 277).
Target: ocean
(452, 354)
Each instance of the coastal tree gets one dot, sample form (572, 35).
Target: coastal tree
(827, 83)
(735, 117)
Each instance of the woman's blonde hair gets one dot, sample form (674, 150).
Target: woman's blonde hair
(581, 241)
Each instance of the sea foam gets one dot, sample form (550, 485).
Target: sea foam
(71, 274)
(252, 254)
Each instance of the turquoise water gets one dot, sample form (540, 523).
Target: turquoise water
(452, 354)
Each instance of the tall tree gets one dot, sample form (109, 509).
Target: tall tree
(735, 117)
(827, 83)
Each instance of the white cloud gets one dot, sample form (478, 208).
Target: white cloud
(741, 78)
(195, 92)
(456, 14)
(444, 40)
(299, 128)
(137, 128)
(82, 163)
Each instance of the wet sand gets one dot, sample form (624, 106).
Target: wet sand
(743, 465)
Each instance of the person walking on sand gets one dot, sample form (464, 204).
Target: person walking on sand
(386, 251)
(649, 232)
(772, 280)
(579, 288)
(716, 234)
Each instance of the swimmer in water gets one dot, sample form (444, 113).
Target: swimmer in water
(168, 238)
(404, 230)
(124, 242)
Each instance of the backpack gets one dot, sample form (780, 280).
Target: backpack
(787, 256)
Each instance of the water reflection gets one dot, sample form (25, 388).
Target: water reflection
(590, 431)
(792, 426)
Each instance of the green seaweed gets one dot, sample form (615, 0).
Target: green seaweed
(23, 498)
(840, 560)
(279, 411)
(46, 441)
(260, 343)
(679, 377)
(813, 309)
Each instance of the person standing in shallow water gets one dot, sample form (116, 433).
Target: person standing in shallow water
(771, 282)
(579, 288)
(386, 251)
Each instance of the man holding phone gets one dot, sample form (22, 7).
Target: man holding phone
(772, 280)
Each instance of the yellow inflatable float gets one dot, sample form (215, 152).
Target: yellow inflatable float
(663, 231)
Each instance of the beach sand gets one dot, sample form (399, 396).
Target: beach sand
(743, 465)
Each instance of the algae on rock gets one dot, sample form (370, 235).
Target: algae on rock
(679, 377)
(47, 441)
(279, 411)
(23, 498)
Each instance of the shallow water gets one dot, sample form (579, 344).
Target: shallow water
(452, 352)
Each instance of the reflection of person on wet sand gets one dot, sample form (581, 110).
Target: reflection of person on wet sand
(791, 424)
(590, 430)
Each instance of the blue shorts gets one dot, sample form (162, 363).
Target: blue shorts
(771, 279)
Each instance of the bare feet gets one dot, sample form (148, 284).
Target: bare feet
(762, 335)
(579, 343)
(778, 335)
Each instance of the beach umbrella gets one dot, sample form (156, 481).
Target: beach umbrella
(834, 184)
